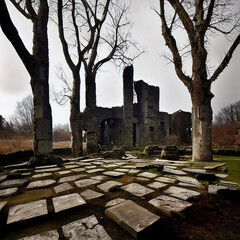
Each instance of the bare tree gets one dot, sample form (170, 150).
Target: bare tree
(200, 20)
(22, 119)
(37, 64)
(92, 33)
(229, 114)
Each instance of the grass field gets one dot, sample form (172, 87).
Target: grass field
(22, 144)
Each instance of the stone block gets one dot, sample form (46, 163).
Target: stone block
(8, 192)
(63, 187)
(41, 184)
(157, 185)
(13, 183)
(72, 178)
(53, 235)
(110, 185)
(165, 179)
(86, 182)
(113, 173)
(132, 217)
(137, 189)
(147, 175)
(181, 193)
(90, 194)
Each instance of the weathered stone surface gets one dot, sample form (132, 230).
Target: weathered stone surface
(173, 171)
(189, 182)
(137, 189)
(53, 235)
(47, 170)
(69, 166)
(194, 170)
(132, 217)
(99, 177)
(3, 177)
(78, 169)
(110, 185)
(181, 193)
(63, 187)
(72, 178)
(2, 205)
(213, 189)
(90, 194)
(46, 166)
(90, 167)
(110, 165)
(124, 170)
(8, 192)
(41, 183)
(86, 182)
(19, 170)
(220, 175)
(113, 173)
(26, 174)
(114, 202)
(229, 184)
(169, 204)
(165, 179)
(133, 171)
(157, 185)
(95, 170)
(85, 229)
(214, 167)
(27, 211)
(13, 183)
(147, 175)
(63, 172)
(42, 175)
(67, 201)
(142, 179)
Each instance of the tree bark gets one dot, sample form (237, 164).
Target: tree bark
(75, 122)
(90, 82)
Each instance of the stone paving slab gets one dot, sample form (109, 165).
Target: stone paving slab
(181, 193)
(124, 170)
(169, 204)
(99, 177)
(71, 178)
(133, 171)
(165, 179)
(42, 175)
(157, 185)
(90, 167)
(85, 229)
(69, 166)
(221, 175)
(41, 183)
(67, 201)
(213, 189)
(90, 194)
(47, 170)
(53, 235)
(65, 172)
(13, 183)
(114, 202)
(132, 217)
(27, 211)
(137, 189)
(86, 182)
(19, 170)
(2, 205)
(3, 177)
(63, 187)
(229, 184)
(214, 167)
(110, 185)
(194, 170)
(46, 166)
(142, 179)
(184, 184)
(113, 173)
(173, 171)
(189, 182)
(147, 175)
(110, 165)
(8, 192)
(95, 170)
(78, 169)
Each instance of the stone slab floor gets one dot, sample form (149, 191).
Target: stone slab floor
(99, 199)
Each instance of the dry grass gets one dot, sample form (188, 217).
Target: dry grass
(22, 144)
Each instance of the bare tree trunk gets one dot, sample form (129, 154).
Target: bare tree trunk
(90, 82)
(76, 127)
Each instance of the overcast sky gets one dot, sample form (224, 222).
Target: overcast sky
(150, 67)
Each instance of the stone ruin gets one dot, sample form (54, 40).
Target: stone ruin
(134, 124)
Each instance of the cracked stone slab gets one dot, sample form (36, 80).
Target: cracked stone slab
(86, 182)
(90, 194)
(181, 193)
(194, 170)
(213, 189)
(165, 179)
(157, 185)
(113, 173)
(114, 202)
(47, 170)
(147, 175)
(71, 178)
(174, 171)
(95, 170)
(189, 182)
(169, 204)
(42, 175)
(110, 185)
(2, 205)
(137, 189)
(27, 211)
(41, 183)
(8, 192)
(78, 169)
(13, 183)
(63, 187)
(132, 217)
(85, 229)
(67, 201)
(3, 177)
(53, 235)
